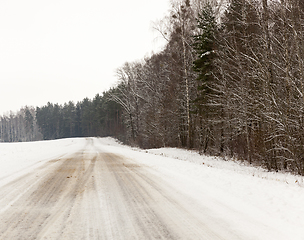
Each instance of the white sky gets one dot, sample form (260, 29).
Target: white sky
(62, 50)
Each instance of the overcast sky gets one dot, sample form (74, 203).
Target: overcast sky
(62, 50)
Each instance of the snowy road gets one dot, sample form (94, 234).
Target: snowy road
(94, 193)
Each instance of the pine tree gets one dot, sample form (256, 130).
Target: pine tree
(204, 47)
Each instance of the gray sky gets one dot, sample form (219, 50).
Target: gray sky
(62, 50)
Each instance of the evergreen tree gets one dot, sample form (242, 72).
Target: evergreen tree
(204, 47)
(207, 100)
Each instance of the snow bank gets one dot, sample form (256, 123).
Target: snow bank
(235, 166)
(214, 162)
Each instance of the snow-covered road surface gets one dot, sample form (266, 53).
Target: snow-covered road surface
(90, 189)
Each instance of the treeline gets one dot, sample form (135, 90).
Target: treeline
(230, 82)
(88, 118)
(20, 127)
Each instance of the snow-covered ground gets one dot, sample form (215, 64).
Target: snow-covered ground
(19, 158)
(258, 203)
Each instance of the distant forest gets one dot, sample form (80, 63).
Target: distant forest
(229, 82)
(88, 118)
